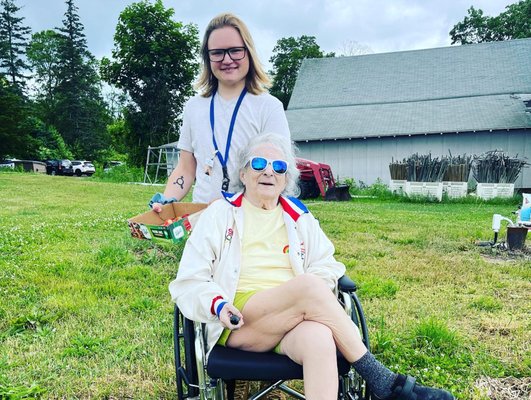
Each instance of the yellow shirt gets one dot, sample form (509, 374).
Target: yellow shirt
(265, 258)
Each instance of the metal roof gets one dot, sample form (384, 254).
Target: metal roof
(477, 87)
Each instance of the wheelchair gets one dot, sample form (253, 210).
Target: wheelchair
(215, 380)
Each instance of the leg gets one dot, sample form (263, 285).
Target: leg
(271, 313)
(319, 364)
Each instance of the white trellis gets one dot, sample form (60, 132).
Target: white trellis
(159, 158)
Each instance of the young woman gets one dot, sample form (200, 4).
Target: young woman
(232, 107)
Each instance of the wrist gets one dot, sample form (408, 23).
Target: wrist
(216, 302)
(161, 199)
(220, 307)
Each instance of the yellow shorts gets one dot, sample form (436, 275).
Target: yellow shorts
(240, 300)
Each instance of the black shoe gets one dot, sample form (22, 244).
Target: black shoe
(405, 388)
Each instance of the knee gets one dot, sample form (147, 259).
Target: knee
(310, 285)
(313, 290)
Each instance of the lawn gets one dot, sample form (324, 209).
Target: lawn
(85, 311)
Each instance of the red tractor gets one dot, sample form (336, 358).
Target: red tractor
(317, 179)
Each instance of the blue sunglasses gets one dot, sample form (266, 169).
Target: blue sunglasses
(259, 164)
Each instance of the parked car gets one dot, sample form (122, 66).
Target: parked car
(107, 165)
(59, 167)
(83, 167)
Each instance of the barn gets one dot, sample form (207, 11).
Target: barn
(359, 113)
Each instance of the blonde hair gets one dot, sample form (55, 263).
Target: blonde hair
(256, 80)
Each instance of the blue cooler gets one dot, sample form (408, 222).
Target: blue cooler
(525, 214)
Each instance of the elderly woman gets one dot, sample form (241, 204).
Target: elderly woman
(261, 256)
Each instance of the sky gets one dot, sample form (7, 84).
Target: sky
(376, 25)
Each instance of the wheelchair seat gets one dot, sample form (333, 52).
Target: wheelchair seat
(226, 363)
(210, 380)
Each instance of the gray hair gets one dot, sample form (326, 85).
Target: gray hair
(286, 147)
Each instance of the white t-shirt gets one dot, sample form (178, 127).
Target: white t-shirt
(258, 114)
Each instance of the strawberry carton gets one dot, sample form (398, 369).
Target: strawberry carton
(172, 225)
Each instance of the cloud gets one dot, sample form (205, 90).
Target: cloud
(383, 25)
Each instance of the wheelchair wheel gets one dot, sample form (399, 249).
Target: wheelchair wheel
(351, 385)
(184, 352)
(358, 317)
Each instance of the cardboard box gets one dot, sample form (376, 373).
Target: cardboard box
(155, 226)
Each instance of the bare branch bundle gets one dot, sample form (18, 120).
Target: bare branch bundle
(458, 168)
(424, 168)
(497, 167)
(398, 170)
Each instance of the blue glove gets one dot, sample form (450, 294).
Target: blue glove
(160, 198)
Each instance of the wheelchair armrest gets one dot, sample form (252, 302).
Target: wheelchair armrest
(345, 284)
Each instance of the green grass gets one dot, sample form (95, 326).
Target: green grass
(85, 311)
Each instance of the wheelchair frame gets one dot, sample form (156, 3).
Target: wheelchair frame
(191, 370)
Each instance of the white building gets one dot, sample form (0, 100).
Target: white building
(358, 113)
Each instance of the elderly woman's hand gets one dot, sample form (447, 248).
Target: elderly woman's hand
(225, 315)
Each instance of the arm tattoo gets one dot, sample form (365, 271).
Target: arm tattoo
(180, 182)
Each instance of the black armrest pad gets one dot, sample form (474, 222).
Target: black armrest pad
(346, 284)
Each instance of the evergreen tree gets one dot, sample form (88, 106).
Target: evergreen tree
(13, 43)
(43, 55)
(81, 116)
(15, 139)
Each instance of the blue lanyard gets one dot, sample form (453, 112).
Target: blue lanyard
(224, 160)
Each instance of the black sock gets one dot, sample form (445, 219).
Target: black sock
(379, 378)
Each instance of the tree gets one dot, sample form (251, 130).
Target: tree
(354, 48)
(514, 23)
(154, 62)
(43, 55)
(14, 137)
(287, 58)
(22, 135)
(50, 143)
(80, 111)
(13, 42)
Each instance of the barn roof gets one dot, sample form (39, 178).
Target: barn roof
(475, 87)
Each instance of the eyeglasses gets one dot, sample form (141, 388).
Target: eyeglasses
(280, 167)
(235, 54)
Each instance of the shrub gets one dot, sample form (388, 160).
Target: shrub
(377, 189)
(121, 173)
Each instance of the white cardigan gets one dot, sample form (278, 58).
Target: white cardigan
(210, 264)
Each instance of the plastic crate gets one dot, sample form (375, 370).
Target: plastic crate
(455, 189)
(397, 186)
(429, 189)
(490, 190)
